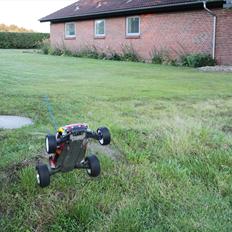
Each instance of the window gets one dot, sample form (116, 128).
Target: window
(133, 26)
(100, 27)
(70, 30)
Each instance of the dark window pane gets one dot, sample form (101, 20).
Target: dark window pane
(133, 25)
(70, 29)
(100, 27)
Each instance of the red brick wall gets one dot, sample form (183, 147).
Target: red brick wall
(224, 37)
(182, 32)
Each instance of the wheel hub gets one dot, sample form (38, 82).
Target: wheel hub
(38, 179)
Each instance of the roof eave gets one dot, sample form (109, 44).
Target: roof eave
(125, 12)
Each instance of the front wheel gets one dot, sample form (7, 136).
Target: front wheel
(43, 175)
(104, 136)
(50, 144)
(94, 167)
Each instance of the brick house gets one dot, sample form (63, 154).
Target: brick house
(177, 26)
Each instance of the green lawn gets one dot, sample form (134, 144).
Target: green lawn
(173, 126)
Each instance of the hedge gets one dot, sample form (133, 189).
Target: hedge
(197, 60)
(21, 39)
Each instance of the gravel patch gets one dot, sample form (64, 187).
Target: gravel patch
(218, 68)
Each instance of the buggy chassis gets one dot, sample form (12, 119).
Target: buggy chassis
(73, 150)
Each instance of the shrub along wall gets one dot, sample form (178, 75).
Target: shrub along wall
(21, 40)
(128, 53)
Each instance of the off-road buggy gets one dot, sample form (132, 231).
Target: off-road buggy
(69, 149)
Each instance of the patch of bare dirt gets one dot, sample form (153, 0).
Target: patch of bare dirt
(110, 150)
(227, 129)
(10, 174)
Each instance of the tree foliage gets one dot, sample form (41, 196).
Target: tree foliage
(12, 28)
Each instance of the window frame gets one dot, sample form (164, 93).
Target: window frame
(65, 30)
(95, 28)
(127, 26)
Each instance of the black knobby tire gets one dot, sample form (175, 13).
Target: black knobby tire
(104, 136)
(50, 144)
(43, 175)
(94, 167)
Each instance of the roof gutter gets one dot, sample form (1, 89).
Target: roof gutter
(214, 27)
(137, 10)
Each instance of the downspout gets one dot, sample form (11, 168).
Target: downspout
(214, 27)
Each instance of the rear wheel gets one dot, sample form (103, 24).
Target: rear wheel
(104, 135)
(50, 144)
(43, 175)
(94, 167)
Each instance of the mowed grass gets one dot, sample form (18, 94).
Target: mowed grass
(173, 126)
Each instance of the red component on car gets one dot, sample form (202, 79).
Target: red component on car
(75, 125)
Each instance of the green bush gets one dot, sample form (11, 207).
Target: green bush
(129, 54)
(197, 60)
(45, 46)
(90, 52)
(162, 56)
(113, 55)
(21, 40)
(56, 52)
(157, 57)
